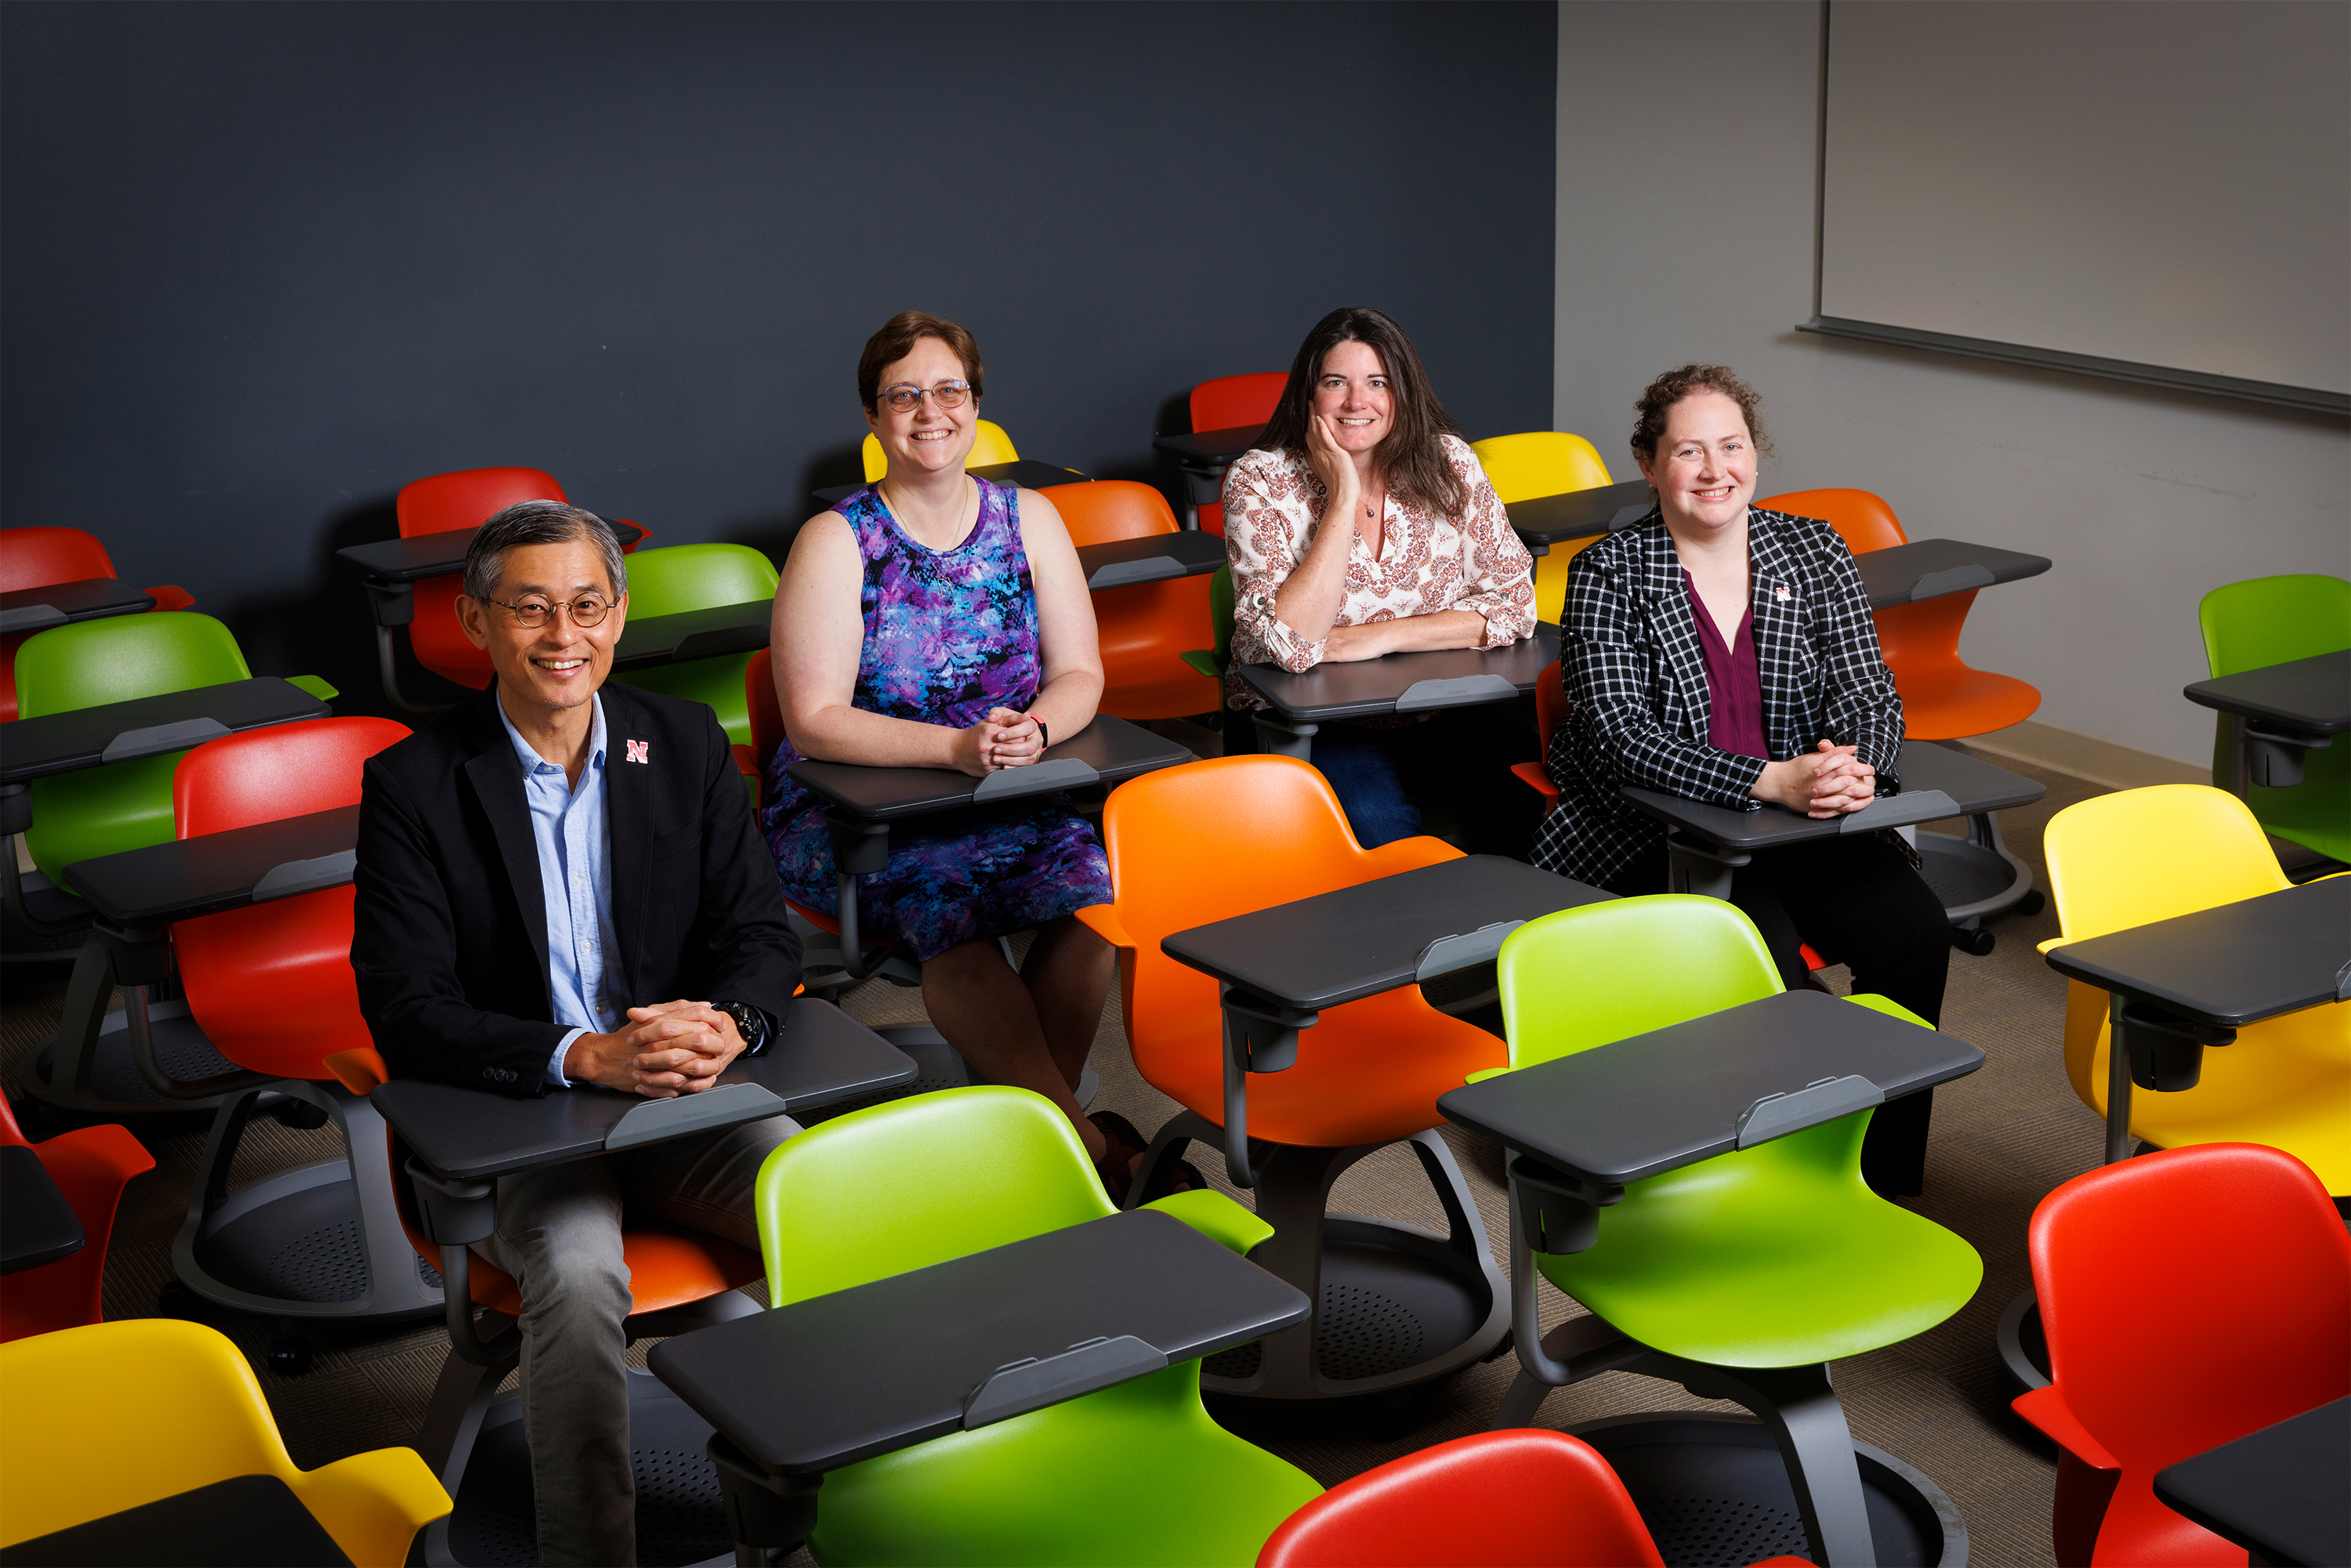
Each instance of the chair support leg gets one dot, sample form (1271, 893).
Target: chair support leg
(1802, 1409)
(2118, 1082)
(460, 1399)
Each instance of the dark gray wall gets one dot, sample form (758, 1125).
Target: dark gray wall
(265, 264)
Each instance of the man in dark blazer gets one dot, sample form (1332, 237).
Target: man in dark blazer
(560, 883)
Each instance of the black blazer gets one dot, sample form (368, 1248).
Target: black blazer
(449, 929)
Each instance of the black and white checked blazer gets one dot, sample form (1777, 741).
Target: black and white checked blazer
(1638, 703)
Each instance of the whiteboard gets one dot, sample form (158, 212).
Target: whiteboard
(2163, 184)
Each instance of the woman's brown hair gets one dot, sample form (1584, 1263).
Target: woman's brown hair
(897, 338)
(1657, 401)
(1411, 458)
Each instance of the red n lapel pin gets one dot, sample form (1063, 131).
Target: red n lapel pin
(637, 749)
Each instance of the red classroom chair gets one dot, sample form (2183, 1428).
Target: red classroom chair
(2190, 1297)
(1528, 1498)
(91, 1165)
(1225, 403)
(35, 558)
(465, 498)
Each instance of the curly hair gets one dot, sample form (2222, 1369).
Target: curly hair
(897, 338)
(1411, 455)
(1657, 400)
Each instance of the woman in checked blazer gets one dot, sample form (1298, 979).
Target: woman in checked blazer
(1727, 655)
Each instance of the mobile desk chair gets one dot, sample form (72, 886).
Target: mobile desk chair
(150, 1057)
(454, 1143)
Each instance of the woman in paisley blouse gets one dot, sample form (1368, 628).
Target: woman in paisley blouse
(937, 619)
(1362, 526)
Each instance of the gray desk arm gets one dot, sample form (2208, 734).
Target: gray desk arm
(454, 1215)
(1259, 1037)
(2274, 756)
(1694, 865)
(859, 848)
(1553, 1213)
(1284, 736)
(769, 1515)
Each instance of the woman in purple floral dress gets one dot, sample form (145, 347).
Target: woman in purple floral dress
(934, 620)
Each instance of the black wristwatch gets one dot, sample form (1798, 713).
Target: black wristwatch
(750, 1022)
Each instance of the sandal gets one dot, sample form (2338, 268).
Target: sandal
(1179, 1176)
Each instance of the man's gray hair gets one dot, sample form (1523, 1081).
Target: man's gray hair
(538, 523)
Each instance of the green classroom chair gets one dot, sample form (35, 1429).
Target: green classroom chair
(123, 805)
(678, 578)
(903, 1186)
(2275, 620)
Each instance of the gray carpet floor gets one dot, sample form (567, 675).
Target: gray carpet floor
(2002, 1137)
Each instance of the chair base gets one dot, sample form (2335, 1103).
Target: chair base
(2023, 1347)
(90, 1065)
(1819, 1476)
(1393, 1305)
(1712, 1489)
(681, 1516)
(315, 1242)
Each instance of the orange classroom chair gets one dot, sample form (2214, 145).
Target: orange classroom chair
(91, 1165)
(1522, 1497)
(2190, 1297)
(1225, 404)
(1210, 840)
(1144, 628)
(35, 558)
(466, 498)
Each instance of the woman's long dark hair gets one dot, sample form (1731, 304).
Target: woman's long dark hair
(1412, 457)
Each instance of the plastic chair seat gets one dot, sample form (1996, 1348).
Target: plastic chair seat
(1802, 1263)
(680, 578)
(272, 982)
(90, 1165)
(2276, 621)
(1403, 1052)
(2285, 1082)
(666, 1268)
(1187, 1491)
(1943, 699)
(1543, 463)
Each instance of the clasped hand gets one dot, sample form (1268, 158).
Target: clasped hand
(1829, 781)
(1003, 739)
(668, 1050)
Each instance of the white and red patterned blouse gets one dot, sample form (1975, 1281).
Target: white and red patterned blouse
(1427, 562)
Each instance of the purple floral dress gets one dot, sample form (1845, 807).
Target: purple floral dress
(949, 635)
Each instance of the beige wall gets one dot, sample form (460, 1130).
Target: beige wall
(1687, 160)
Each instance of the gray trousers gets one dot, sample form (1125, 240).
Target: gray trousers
(559, 1235)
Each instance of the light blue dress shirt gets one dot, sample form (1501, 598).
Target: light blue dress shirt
(574, 839)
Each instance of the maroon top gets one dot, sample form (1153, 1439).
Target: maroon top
(1736, 725)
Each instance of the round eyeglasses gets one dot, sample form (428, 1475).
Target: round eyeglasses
(588, 610)
(903, 397)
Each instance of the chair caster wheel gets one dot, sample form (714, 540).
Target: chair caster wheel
(1978, 942)
(289, 1354)
(300, 1115)
(176, 1301)
(2032, 903)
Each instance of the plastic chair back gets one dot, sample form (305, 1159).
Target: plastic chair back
(1496, 1499)
(765, 709)
(169, 1407)
(1864, 519)
(1144, 628)
(90, 1165)
(2137, 856)
(271, 983)
(1228, 403)
(1543, 463)
(464, 499)
(1589, 977)
(989, 444)
(968, 1168)
(2235, 1246)
(124, 805)
(2274, 621)
(678, 578)
(35, 557)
